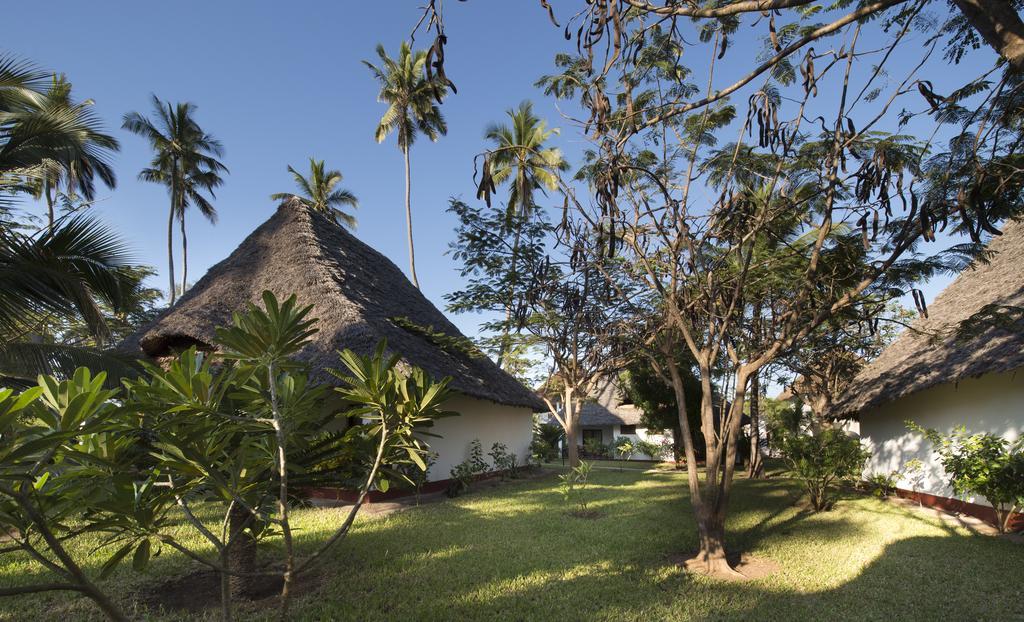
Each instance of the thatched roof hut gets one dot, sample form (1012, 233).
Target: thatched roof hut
(358, 296)
(930, 354)
(607, 407)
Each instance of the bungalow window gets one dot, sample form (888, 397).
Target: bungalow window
(627, 429)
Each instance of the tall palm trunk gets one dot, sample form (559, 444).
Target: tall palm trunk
(184, 254)
(170, 251)
(408, 218)
(50, 199)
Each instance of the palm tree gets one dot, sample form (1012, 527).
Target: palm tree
(45, 136)
(184, 161)
(70, 272)
(319, 193)
(412, 108)
(520, 157)
(78, 171)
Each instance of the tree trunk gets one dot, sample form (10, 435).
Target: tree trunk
(999, 25)
(170, 230)
(708, 511)
(170, 252)
(226, 604)
(756, 470)
(711, 534)
(241, 550)
(184, 254)
(570, 428)
(677, 445)
(408, 218)
(49, 203)
(710, 502)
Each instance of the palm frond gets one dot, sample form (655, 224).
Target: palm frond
(23, 362)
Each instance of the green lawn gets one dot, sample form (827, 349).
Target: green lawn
(511, 553)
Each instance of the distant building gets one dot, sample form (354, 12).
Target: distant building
(605, 417)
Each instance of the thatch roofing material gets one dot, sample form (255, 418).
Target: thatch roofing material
(356, 294)
(607, 408)
(915, 361)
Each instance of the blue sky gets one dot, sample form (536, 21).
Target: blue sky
(279, 82)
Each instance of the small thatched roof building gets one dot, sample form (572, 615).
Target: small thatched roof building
(359, 298)
(959, 366)
(607, 408)
(931, 355)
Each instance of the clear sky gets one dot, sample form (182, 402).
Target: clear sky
(278, 82)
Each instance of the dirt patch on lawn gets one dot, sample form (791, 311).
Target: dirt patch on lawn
(200, 591)
(747, 567)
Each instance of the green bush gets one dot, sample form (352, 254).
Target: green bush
(821, 461)
(541, 451)
(574, 486)
(625, 447)
(883, 485)
(653, 450)
(239, 432)
(982, 464)
(466, 472)
(504, 461)
(595, 449)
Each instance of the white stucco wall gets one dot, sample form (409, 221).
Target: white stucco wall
(478, 419)
(992, 403)
(611, 433)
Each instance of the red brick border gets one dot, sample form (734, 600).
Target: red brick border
(947, 504)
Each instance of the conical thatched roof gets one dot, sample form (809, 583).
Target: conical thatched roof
(358, 296)
(917, 361)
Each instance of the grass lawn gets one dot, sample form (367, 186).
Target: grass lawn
(511, 553)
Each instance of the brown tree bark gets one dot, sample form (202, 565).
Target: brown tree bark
(999, 25)
(241, 551)
(570, 428)
(710, 501)
(756, 467)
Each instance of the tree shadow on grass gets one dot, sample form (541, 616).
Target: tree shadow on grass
(937, 577)
(512, 553)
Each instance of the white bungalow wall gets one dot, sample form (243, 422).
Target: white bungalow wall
(611, 433)
(478, 419)
(992, 403)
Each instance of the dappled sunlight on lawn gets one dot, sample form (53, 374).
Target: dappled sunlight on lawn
(513, 552)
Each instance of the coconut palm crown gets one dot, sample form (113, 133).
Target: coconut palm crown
(519, 156)
(185, 161)
(319, 192)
